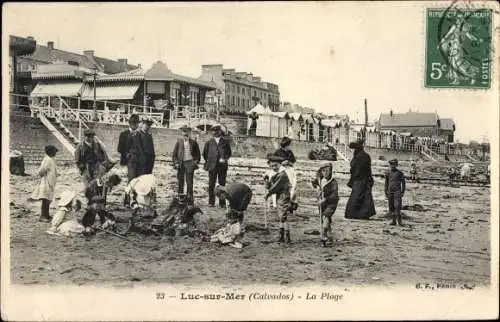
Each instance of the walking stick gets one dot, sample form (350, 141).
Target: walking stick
(266, 210)
(321, 216)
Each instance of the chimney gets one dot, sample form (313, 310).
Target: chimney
(50, 44)
(30, 38)
(139, 65)
(123, 61)
(89, 53)
(391, 113)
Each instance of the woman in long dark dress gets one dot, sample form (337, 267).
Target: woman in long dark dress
(360, 204)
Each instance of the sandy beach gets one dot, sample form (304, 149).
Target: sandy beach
(449, 241)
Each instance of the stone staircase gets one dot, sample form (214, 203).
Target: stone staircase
(62, 134)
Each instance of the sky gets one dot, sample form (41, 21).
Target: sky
(328, 56)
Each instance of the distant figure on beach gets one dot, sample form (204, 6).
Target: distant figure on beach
(360, 204)
(394, 189)
(252, 130)
(48, 177)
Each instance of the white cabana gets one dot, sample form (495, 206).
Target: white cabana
(295, 121)
(265, 122)
(282, 118)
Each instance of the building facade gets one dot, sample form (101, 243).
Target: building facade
(238, 92)
(417, 124)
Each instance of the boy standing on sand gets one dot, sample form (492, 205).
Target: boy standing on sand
(394, 190)
(280, 185)
(327, 201)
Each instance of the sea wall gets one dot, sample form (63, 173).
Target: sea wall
(29, 136)
(164, 139)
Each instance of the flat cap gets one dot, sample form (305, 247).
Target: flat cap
(356, 145)
(89, 132)
(134, 118)
(185, 128)
(275, 158)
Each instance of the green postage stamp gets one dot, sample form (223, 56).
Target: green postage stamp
(458, 48)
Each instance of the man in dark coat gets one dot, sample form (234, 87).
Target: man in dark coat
(90, 158)
(125, 143)
(360, 204)
(186, 157)
(148, 145)
(216, 154)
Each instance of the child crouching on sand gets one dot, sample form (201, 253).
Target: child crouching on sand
(68, 205)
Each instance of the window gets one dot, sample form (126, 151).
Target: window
(238, 102)
(243, 91)
(227, 98)
(233, 100)
(255, 93)
(234, 88)
(243, 102)
(238, 89)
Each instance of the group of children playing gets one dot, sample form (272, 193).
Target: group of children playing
(280, 182)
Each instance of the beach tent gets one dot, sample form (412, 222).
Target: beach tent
(296, 120)
(265, 122)
(282, 121)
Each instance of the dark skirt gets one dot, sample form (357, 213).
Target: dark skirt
(360, 204)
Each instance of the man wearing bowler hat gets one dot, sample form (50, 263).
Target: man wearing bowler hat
(148, 145)
(216, 154)
(125, 143)
(186, 157)
(91, 159)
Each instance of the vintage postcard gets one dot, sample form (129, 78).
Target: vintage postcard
(250, 161)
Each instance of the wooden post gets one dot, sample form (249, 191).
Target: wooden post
(79, 122)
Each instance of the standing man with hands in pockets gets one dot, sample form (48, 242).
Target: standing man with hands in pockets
(216, 154)
(186, 157)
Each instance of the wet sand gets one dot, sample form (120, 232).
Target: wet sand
(447, 242)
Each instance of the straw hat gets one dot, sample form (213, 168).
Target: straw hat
(66, 197)
(145, 184)
(325, 165)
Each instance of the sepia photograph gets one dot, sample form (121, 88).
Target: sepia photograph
(250, 160)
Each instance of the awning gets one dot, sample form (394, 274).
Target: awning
(56, 89)
(110, 92)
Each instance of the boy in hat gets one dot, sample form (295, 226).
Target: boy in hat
(186, 157)
(101, 186)
(148, 147)
(327, 201)
(90, 158)
(289, 160)
(394, 190)
(216, 154)
(48, 178)
(280, 185)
